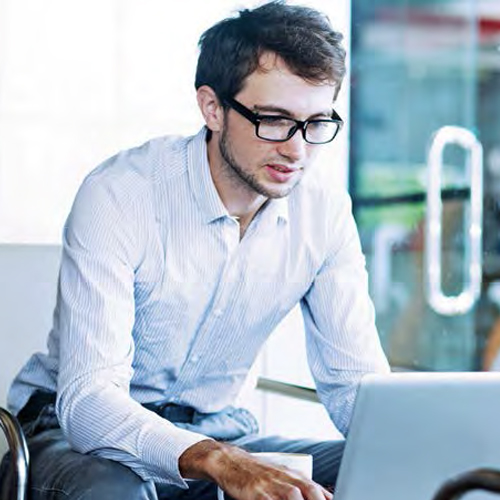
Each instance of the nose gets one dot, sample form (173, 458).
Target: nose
(294, 149)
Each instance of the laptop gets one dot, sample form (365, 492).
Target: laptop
(411, 431)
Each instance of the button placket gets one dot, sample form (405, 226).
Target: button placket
(222, 296)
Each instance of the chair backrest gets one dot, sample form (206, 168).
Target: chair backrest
(486, 479)
(28, 284)
(14, 470)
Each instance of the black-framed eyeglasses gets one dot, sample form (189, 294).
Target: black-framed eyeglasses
(277, 128)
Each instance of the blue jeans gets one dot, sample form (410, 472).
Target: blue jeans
(57, 472)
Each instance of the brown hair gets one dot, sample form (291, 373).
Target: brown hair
(303, 37)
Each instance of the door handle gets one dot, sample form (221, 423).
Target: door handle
(451, 305)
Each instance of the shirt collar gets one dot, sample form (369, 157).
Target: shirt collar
(203, 187)
(201, 181)
(279, 207)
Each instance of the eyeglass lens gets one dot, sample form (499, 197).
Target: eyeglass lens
(280, 129)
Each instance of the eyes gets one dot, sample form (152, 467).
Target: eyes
(319, 124)
(282, 121)
(275, 121)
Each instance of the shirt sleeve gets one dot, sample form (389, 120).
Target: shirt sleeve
(339, 318)
(95, 318)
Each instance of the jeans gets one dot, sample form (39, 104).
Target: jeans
(57, 472)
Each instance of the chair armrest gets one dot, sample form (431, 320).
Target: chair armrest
(287, 389)
(477, 479)
(19, 455)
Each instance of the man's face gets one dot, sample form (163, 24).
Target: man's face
(272, 169)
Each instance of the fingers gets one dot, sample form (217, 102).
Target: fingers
(280, 483)
(310, 490)
(244, 477)
(282, 490)
(327, 493)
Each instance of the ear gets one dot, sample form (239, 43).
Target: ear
(211, 108)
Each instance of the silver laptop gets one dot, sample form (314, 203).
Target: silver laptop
(412, 431)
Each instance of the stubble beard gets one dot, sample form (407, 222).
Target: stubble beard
(234, 172)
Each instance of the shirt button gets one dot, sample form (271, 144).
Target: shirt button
(218, 313)
(194, 359)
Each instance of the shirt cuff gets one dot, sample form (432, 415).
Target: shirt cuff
(164, 450)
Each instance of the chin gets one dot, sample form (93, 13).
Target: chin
(276, 193)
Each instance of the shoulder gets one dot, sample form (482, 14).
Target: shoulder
(115, 205)
(141, 164)
(129, 177)
(119, 196)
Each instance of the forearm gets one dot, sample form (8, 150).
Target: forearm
(202, 460)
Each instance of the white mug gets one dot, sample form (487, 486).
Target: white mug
(300, 462)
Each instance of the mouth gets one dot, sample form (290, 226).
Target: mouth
(282, 168)
(281, 173)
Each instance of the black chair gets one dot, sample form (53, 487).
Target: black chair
(477, 479)
(14, 479)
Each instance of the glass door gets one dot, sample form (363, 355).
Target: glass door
(425, 176)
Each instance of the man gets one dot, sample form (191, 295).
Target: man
(179, 259)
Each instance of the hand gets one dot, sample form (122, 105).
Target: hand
(245, 477)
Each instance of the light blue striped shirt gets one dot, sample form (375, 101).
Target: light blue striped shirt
(159, 299)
